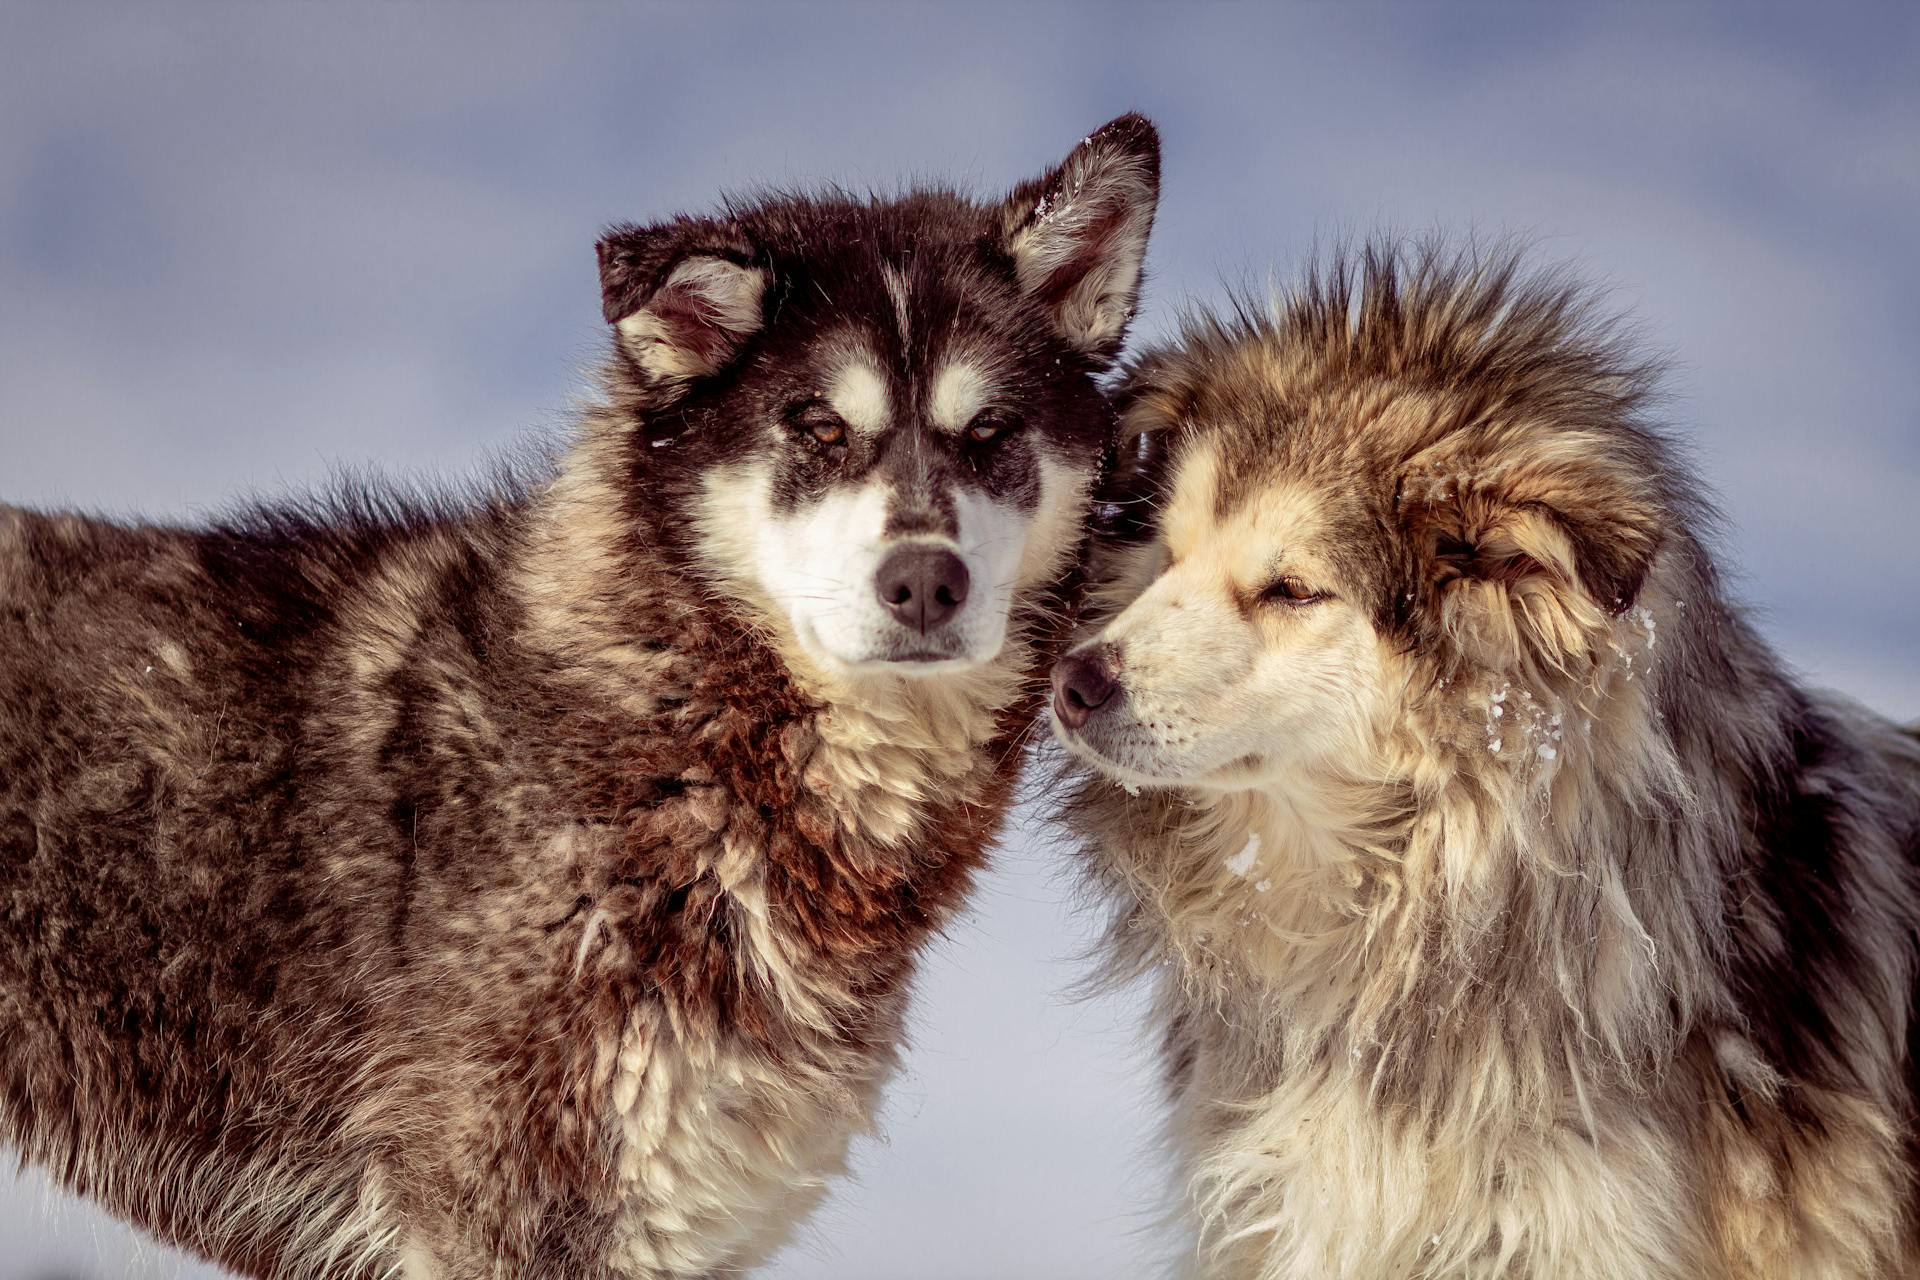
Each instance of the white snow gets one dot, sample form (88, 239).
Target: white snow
(1644, 616)
(1241, 863)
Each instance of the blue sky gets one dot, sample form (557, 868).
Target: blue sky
(241, 246)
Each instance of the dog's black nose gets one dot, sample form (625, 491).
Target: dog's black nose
(922, 586)
(1083, 683)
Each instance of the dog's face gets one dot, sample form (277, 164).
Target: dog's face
(1248, 646)
(1359, 511)
(875, 422)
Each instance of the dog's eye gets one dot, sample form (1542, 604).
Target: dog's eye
(818, 420)
(1291, 590)
(990, 424)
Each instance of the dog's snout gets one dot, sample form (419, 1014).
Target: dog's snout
(922, 586)
(1082, 684)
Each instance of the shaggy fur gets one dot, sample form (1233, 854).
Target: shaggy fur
(1516, 915)
(501, 888)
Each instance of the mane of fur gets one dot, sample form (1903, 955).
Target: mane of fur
(1610, 876)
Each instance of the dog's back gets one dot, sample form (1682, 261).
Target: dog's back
(164, 723)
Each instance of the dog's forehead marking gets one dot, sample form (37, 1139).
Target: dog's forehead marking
(960, 390)
(858, 393)
(1271, 530)
(1246, 540)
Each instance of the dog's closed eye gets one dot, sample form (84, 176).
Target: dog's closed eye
(1292, 591)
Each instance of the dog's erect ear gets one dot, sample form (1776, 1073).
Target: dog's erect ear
(1078, 235)
(683, 296)
(1531, 558)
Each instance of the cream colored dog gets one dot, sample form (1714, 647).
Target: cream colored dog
(1516, 915)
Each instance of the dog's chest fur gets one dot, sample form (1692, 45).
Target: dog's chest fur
(827, 861)
(757, 879)
(1327, 1178)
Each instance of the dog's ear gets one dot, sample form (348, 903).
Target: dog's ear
(1078, 234)
(682, 296)
(1532, 558)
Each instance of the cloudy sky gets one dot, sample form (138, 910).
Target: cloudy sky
(242, 246)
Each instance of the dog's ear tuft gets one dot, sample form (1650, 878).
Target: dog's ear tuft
(1078, 235)
(683, 296)
(1531, 560)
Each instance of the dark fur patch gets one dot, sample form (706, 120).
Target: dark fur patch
(1795, 878)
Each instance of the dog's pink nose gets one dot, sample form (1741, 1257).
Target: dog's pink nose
(1083, 682)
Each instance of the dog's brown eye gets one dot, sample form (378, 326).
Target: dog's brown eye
(990, 424)
(819, 421)
(1291, 590)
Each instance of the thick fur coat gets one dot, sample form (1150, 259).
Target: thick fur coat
(507, 887)
(1515, 914)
